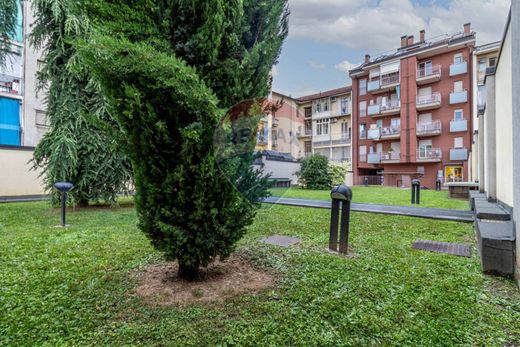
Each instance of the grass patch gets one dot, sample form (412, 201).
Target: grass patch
(380, 195)
(71, 286)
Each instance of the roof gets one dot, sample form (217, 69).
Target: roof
(416, 48)
(325, 94)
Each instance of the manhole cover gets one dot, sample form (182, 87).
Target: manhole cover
(283, 241)
(443, 247)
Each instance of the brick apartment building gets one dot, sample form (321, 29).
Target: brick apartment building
(412, 112)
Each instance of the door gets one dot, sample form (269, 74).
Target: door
(454, 174)
(10, 122)
(425, 148)
(424, 95)
(425, 118)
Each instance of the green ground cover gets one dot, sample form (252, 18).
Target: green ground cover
(380, 195)
(71, 286)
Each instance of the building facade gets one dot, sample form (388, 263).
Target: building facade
(412, 112)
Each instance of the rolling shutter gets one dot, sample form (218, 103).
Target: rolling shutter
(9, 122)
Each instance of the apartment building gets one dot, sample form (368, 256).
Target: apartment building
(412, 112)
(484, 57)
(22, 112)
(327, 127)
(498, 140)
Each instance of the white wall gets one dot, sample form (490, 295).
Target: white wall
(16, 176)
(504, 124)
(281, 169)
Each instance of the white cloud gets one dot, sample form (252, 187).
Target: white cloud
(377, 26)
(316, 65)
(345, 66)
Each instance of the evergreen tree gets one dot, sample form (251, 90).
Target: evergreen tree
(170, 93)
(84, 144)
(8, 13)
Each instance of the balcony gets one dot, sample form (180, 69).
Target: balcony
(458, 68)
(325, 143)
(390, 157)
(429, 129)
(457, 154)
(428, 102)
(458, 97)
(373, 85)
(374, 158)
(391, 108)
(458, 125)
(426, 154)
(373, 109)
(10, 85)
(304, 133)
(374, 134)
(343, 140)
(389, 82)
(428, 75)
(389, 133)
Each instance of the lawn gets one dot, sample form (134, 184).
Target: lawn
(380, 195)
(71, 286)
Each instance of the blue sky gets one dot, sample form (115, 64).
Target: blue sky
(327, 37)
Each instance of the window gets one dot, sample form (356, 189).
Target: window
(362, 131)
(322, 127)
(482, 65)
(457, 86)
(492, 61)
(325, 105)
(363, 153)
(344, 105)
(458, 115)
(10, 129)
(308, 112)
(458, 58)
(395, 122)
(363, 87)
(344, 129)
(458, 142)
(362, 108)
(425, 146)
(425, 68)
(379, 123)
(41, 119)
(308, 147)
(425, 118)
(420, 170)
(454, 173)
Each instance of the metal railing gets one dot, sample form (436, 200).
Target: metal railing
(429, 71)
(391, 105)
(430, 127)
(390, 156)
(389, 131)
(434, 97)
(370, 180)
(429, 154)
(389, 79)
(10, 85)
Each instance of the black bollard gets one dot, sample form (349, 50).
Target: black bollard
(341, 196)
(438, 185)
(63, 188)
(366, 181)
(416, 189)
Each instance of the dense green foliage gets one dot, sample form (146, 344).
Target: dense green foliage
(8, 11)
(85, 145)
(170, 89)
(315, 172)
(338, 171)
(74, 286)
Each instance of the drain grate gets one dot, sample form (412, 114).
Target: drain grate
(443, 247)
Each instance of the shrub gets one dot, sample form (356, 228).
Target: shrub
(315, 173)
(338, 171)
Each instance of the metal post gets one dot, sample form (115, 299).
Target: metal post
(416, 187)
(413, 193)
(418, 194)
(63, 205)
(334, 221)
(366, 181)
(341, 195)
(63, 188)
(438, 185)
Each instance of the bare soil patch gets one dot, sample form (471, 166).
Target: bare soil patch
(159, 285)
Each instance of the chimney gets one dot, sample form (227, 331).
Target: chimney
(421, 35)
(467, 28)
(410, 40)
(367, 58)
(403, 41)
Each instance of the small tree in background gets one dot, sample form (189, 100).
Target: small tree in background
(315, 173)
(338, 171)
(8, 14)
(170, 92)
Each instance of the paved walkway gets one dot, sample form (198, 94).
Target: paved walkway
(420, 212)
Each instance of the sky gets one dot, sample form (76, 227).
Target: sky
(328, 37)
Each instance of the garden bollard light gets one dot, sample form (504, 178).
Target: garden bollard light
(438, 185)
(341, 196)
(416, 191)
(63, 188)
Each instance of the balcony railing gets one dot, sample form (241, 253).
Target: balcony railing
(458, 125)
(390, 106)
(459, 154)
(458, 97)
(389, 79)
(344, 140)
(374, 158)
(343, 110)
(429, 71)
(391, 156)
(374, 134)
(458, 68)
(430, 128)
(373, 85)
(10, 85)
(432, 98)
(363, 158)
(429, 154)
(373, 109)
(362, 134)
(392, 131)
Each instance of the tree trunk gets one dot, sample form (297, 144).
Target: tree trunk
(188, 272)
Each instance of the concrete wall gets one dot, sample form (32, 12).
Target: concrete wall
(504, 122)
(16, 176)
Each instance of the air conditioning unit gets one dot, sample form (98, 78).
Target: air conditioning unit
(333, 99)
